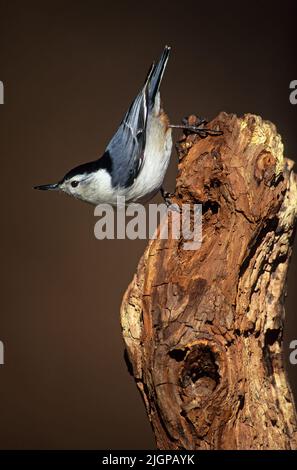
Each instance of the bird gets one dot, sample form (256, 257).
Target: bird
(135, 161)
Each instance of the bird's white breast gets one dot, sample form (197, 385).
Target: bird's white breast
(156, 159)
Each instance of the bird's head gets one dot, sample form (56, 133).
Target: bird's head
(78, 182)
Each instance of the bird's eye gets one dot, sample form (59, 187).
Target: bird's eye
(74, 184)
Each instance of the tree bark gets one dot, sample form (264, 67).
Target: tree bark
(203, 329)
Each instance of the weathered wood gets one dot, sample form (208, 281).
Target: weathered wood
(203, 329)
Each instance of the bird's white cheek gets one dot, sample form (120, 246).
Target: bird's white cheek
(68, 190)
(63, 189)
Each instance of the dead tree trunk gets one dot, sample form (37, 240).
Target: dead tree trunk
(203, 329)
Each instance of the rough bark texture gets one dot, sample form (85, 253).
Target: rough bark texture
(203, 329)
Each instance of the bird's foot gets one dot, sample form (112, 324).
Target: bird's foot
(168, 201)
(199, 128)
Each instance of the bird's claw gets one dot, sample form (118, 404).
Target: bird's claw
(203, 131)
(167, 199)
(198, 128)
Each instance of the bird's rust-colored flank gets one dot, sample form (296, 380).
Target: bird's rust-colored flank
(164, 118)
(203, 329)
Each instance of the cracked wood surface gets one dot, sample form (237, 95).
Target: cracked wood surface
(203, 329)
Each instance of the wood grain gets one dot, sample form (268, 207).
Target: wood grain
(203, 329)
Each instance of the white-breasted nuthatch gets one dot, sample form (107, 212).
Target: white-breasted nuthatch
(135, 161)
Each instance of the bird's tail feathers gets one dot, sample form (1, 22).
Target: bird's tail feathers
(136, 115)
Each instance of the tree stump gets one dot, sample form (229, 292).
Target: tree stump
(203, 329)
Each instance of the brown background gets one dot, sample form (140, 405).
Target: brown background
(70, 70)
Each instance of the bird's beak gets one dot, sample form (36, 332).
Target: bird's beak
(47, 187)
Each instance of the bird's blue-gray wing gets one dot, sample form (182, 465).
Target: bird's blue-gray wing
(126, 148)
